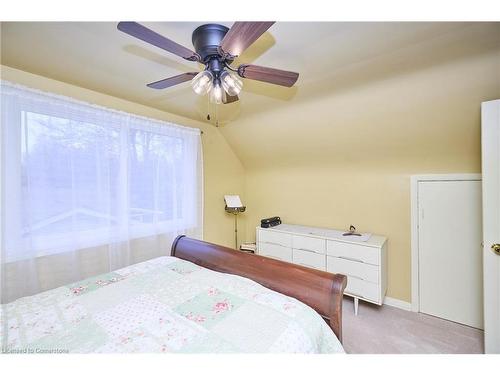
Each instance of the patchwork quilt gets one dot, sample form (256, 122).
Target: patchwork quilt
(164, 305)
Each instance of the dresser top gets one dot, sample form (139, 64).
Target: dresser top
(329, 234)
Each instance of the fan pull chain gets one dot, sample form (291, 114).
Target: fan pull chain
(216, 115)
(208, 108)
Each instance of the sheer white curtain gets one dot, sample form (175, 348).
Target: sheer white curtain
(86, 190)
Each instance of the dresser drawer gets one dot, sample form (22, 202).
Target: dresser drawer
(364, 271)
(317, 245)
(362, 289)
(276, 238)
(309, 259)
(275, 251)
(359, 253)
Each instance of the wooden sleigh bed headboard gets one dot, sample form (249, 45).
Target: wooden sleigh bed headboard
(320, 290)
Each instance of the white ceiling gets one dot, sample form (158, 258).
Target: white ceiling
(328, 56)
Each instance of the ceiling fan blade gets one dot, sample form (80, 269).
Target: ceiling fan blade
(172, 81)
(270, 75)
(228, 99)
(241, 35)
(149, 36)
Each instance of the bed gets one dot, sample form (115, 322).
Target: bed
(203, 298)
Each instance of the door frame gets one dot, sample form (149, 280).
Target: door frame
(415, 179)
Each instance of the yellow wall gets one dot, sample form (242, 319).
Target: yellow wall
(346, 157)
(223, 172)
(341, 157)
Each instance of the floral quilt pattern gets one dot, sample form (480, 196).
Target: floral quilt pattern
(164, 305)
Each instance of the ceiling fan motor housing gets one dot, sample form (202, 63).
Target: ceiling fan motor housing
(207, 38)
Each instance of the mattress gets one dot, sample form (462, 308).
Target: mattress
(164, 305)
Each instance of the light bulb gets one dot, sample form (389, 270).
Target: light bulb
(202, 82)
(216, 93)
(231, 83)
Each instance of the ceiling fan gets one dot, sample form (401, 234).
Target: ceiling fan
(216, 47)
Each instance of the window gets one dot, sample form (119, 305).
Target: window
(78, 176)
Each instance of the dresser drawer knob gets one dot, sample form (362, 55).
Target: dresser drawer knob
(308, 250)
(352, 259)
(354, 277)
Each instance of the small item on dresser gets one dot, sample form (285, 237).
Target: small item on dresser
(351, 232)
(270, 224)
(270, 220)
(248, 247)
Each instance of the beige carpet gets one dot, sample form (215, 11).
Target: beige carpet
(386, 329)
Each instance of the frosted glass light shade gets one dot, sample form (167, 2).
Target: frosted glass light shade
(231, 83)
(216, 93)
(202, 82)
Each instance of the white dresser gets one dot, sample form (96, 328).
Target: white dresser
(363, 262)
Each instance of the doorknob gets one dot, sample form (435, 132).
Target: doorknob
(496, 248)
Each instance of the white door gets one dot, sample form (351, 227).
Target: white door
(490, 119)
(449, 250)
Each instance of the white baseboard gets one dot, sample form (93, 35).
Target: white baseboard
(403, 305)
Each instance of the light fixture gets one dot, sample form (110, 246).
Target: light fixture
(202, 82)
(219, 83)
(231, 83)
(235, 207)
(216, 93)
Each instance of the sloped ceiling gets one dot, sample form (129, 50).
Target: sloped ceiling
(330, 57)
